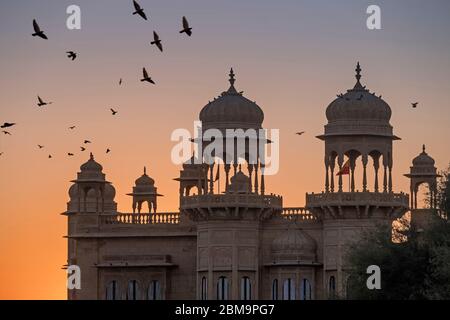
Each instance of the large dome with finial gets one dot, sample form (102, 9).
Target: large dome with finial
(91, 165)
(144, 180)
(231, 110)
(358, 104)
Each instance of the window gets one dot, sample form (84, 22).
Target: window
(246, 289)
(133, 290)
(154, 290)
(111, 291)
(289, 289)
(332, 287)
(204, 289)
(305, 290)
(222, 288)
(275, 289)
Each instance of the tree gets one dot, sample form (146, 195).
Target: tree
(414, 263)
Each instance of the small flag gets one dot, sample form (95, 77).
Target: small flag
(345, 169)
(217, 173)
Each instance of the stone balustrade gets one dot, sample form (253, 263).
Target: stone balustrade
(141, 218)
(357, 198)
(223, 200)
(298, 213)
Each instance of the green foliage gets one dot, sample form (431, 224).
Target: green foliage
(418, 268)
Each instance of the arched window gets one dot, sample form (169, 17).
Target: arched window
(154, 290)
(112, 292)
(289, 289)
(133, 290)
(275, 289)
(222, 288)
(305, 290)
(332, 287)
(204, 289)
(246, 289)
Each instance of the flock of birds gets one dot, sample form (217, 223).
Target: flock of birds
(38, 32)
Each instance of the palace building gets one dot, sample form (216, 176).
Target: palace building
(242, 243)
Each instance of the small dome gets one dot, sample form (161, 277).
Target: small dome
(239, 183)
(231, 110)
(358, 104)
(294, 244)
(423, 159)
(144, 180)
(110, 192)
(91, 165)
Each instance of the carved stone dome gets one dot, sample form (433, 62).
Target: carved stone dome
(358, 104)
(239, 183)
(294, 244)
(231, 110)
(423, 159)
(91, 165)
(144, 180)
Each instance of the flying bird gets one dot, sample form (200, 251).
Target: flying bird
(83, 149)
(42, 103)
(37, 31)
(139, 10)
(108, 150)
(114, 112)
(186, 28)
(87, 141)
(1, 153)
(6, 132)
(50, 156)
(40, 147)
(71, 55)
(72, 127)
(7, 125)
(414, 104)
(70, 154)
(120, 82)
(300, 133)
(146, 77)
(157, 41)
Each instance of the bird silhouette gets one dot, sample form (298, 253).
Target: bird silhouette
(83, 148)
(108, 150)
(120, 82)
(146, 77)
(87, 141)
(300, 133)
(186, 28)
(72, 127)
(1, 153)
(7, 125)
(139, 10)
(6, 132)
(114, 112)
(40, 147)
(71, 55)
(156, 41)
(414, 104)
(70, 154)
(37, 31)
(50, 156)
(42, 103)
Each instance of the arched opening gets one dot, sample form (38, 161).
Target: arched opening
(222, 288)
(305, 290)
(332, 287)
(112, 291)
(275, 289)
(133, 290)
(246, 288)
(289, 289)
(154, 290)
(204, 289)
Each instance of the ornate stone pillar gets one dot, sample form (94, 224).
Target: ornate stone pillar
(263, 186)
(340, 162)
(211, 178)
(256, 178)
(376, 165)
(327, 182)
(364, 162)
(332, 165)
(250, 172)
(352, 173)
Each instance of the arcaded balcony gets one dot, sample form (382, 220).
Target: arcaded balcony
(357, 199)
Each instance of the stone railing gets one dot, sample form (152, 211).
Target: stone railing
(357, 198)
(141, 218)
(242, 200)
(298, 213)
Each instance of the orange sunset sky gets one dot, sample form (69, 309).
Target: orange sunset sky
(292, 57)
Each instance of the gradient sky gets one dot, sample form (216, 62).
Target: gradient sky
(292, 57)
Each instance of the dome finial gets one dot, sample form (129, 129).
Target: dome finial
(145, 170)
(91, 156)
(358, 71)
(232, 80)
(423, 148)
